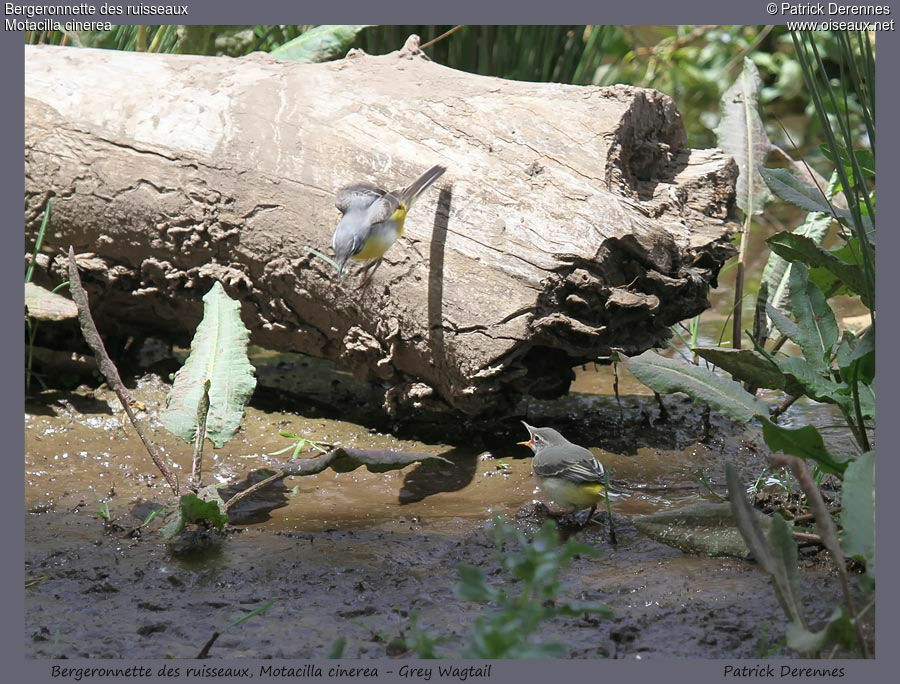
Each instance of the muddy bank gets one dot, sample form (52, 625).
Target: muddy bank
(105, 597)
(356, 555)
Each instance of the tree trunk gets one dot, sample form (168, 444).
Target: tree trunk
(572, 220)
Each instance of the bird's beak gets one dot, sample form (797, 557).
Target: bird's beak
(530, 442)
(341, 268)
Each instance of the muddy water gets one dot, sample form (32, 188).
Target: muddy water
(356, 555)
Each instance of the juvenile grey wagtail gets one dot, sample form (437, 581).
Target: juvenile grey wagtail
(373, 218)
(567, 473)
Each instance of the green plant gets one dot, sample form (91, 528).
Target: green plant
(259, 610)
(510, 628)
(102, 508)
(833, 367)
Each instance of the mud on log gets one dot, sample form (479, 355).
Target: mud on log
(571, 219)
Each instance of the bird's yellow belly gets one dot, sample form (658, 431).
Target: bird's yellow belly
(374, 248)
(383, 236)
(571, 495)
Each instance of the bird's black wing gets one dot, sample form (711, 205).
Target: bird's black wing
(582, 468)
(357, 196)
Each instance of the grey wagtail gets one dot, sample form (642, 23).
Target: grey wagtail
(569, 474)
(373, 218)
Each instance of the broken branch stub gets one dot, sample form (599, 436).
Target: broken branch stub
(571, 219)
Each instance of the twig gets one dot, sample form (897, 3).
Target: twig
(663, 413)
(612, 527)
(828, 532)
(677, 42)
(809, 516)
(280, 475)
(739, 57)
(615, 368)
(737, 312)
(441, 37)
(808, 538)
(783, 406)
(204, 652)
(108, 368)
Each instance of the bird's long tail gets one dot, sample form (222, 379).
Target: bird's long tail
(409, 194)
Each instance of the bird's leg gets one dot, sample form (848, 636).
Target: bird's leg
(369, 269)
(589, 517)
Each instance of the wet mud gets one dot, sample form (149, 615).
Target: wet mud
(356, 556)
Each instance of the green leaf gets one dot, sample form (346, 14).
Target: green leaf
(194, 510)
(336, 652)
(29, 272)
(772, 560)
(219, 355)
(810, 382)
(705, 528)
(858, 510)
(814, 318)
(253, 613)
(783, 324)
(668, 375)
(838, 630)
(803, 249)
(857, 355)
(777, 270)
(747, 365)
(319, 44)
(472, 585)
(784, 548)
(173, 527)
(742, 134)
(805, 442)
(791, 189)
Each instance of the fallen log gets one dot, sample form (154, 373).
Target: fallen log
(571, 220)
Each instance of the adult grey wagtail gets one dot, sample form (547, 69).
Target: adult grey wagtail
(373, 218)
(569, 474)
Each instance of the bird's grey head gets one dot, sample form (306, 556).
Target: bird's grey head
(542, 437)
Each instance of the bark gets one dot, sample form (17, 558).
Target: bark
(572, 220)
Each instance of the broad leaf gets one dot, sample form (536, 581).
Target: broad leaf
(838, 630)
(800, 248)
(772, 560)
(784, 548)
(705, 528)
(742, 134)
(320, 44)
(219, 355)
(814, 318)
(777, 270)
(746, 365)
(192, 509)
(783, 324)
(668, 375)
(810, 382)
(858, 510)
(791, 189)
(805, 442)
(856, 355)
